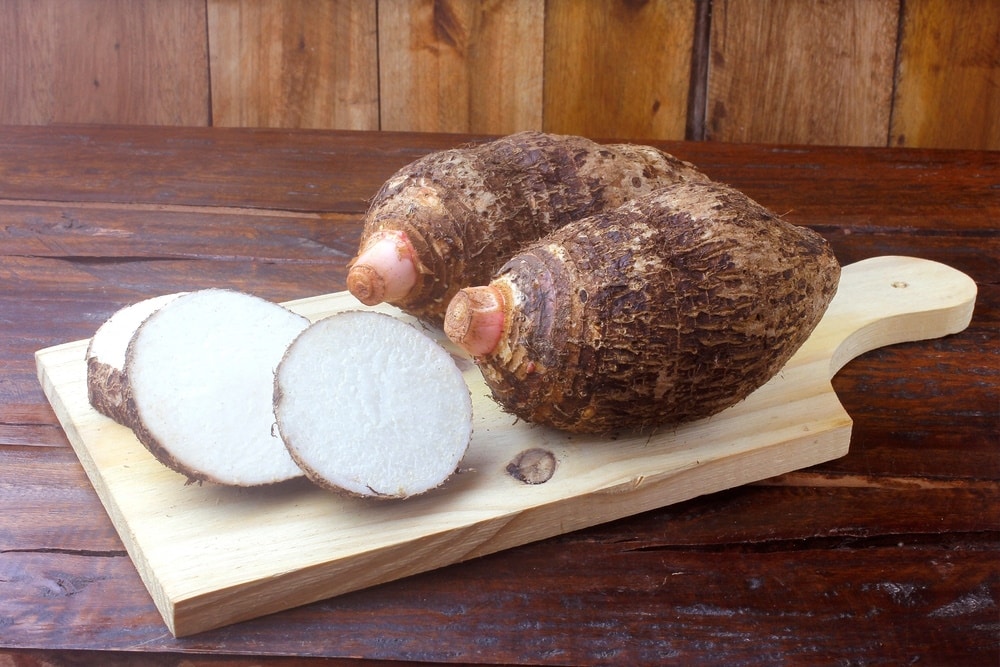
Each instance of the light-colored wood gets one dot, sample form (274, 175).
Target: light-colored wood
(293, 63)
(211, 555)
(788, 71)
(618, 70)
(948, 84)
(103, 61)
(454, 66)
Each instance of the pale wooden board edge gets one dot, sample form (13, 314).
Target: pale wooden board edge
(482, 510)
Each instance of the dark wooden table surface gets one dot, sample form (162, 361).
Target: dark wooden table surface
(889, 555)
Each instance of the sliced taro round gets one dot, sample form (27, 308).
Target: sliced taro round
(369, 405)
(200, 373)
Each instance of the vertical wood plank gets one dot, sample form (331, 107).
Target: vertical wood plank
(138, 62)
(461, 66)
(948, 81)
(618, 70)
(27, 62)
(293, 63)
(798, 71)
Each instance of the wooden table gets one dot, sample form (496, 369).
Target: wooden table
(888, 555)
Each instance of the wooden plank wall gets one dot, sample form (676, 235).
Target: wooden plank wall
(845, 72)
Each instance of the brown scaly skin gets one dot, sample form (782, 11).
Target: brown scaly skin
(106, 389)
(671, 308)
(466, 211)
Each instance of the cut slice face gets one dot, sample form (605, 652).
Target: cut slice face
(106, 355)
(370, 405)
(200, 373)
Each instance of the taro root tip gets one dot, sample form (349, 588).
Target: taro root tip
(384, 271)
(475, 319)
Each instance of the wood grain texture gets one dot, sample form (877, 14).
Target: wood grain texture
(948, 83)
(293, 63)
(889, 555)
(458, 66)
(288, 170)
(104, 61)
(849, 72)
(618, 70)
(801, 72)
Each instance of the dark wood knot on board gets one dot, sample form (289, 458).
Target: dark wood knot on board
(532, 466)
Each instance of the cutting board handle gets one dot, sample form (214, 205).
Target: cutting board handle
(890, 299)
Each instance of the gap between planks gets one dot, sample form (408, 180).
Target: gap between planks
(854, 481)
(172, 208)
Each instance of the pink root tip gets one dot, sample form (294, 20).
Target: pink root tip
(475, 319)
(384, 271)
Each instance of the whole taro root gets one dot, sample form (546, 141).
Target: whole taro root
(673, 307)
(451, 218)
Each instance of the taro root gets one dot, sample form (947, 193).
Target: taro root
(451, 218)
(198, 393)
(673, 307)
(368, 405)
(106, 355)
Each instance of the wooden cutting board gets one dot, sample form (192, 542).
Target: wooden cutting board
(211, 555)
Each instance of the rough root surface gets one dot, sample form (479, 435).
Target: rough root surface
(673, 307)
(466, 211)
